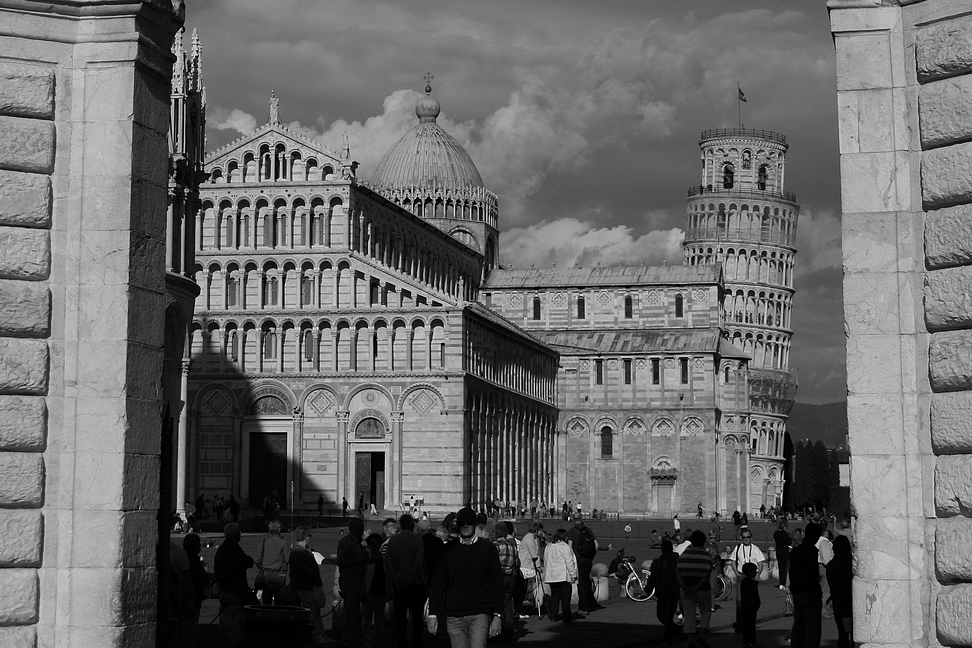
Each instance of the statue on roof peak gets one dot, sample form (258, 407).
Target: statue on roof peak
(274, 108)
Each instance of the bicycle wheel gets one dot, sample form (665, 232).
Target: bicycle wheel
(724, 588)
(538, 592)
(635, 589)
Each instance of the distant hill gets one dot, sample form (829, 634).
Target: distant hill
(827, 423)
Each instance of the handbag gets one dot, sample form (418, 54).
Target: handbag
(212, 590)
(261, 581)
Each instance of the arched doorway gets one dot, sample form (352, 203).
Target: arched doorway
(267, 438)
(370, 446)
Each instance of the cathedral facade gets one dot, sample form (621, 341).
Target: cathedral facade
(359, 340)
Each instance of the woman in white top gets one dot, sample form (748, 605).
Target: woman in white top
(559, 572)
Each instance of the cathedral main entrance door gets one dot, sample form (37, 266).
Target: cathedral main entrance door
(665, 492)
(369, 477)
(268, 467)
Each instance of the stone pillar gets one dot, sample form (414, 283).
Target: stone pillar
(397, 421)
(297, 457)
(903, 80)
(238, 468)
(192, 457)
(84, 89)
(342, 454)
(182, 440)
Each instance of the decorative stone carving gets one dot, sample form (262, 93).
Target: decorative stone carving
(692, 426)
(269, 405)
(663, 427)
(319, 401)
(215, 401)
(577, 427)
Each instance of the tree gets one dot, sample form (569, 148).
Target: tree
(804, 480)
(789, 458)
(821, 465)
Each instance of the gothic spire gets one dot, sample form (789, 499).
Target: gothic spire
(196, 61)
(179, 67)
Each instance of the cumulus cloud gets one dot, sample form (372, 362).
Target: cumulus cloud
(571, 241)
(818, 241)
(235, 119)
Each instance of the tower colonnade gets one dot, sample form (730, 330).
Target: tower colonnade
(742, 218)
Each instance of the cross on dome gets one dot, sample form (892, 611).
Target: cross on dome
(428, 82)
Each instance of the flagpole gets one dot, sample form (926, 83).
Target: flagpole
(738, 105)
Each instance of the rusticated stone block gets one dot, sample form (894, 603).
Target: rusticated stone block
(25, 309)
(22, 485)
(953, 549)
(26, 91)
(19, 636)
(953, 485)
(952, 613)
(125, 596)
(946, 174)
(18, 596)
(114, 539)
(23, 366)
(950, 360)
(951, 423)
(948, 236)
(944, 48)
(25, 199)
(948, 298)
(945, 111)
(26, 145)
(21, 538)
(26, 252)
(23, 423)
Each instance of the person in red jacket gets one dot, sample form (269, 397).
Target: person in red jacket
(467, 588)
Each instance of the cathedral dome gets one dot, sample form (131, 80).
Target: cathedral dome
(427, 156)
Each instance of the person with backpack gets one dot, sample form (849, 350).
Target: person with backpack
(584, 544)
(664, 581)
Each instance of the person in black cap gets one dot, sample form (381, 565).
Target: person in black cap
(467, 587)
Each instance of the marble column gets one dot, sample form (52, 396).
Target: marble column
(182, 441)
(397, 424)
(297, 458)
(342, 455)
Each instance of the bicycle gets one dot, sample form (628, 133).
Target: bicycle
(633, 583)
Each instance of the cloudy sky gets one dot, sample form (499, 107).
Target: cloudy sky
(584, 117)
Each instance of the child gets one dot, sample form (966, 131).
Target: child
(627, 530)
(749, 594)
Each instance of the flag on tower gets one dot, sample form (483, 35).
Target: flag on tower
(742, 96)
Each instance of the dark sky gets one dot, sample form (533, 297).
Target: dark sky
(583, 117)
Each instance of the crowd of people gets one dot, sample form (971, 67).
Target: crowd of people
(467, 579)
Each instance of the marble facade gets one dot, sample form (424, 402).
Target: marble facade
(903, 70)
(84, 109)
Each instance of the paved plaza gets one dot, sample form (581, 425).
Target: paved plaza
(622, 622)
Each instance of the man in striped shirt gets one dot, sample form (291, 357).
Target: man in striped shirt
(692, 571)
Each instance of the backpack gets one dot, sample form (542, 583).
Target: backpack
(586, 547)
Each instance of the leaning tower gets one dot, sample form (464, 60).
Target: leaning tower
(741, 217)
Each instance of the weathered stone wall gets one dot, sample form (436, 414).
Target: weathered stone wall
(83, 112)
(904, 76)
